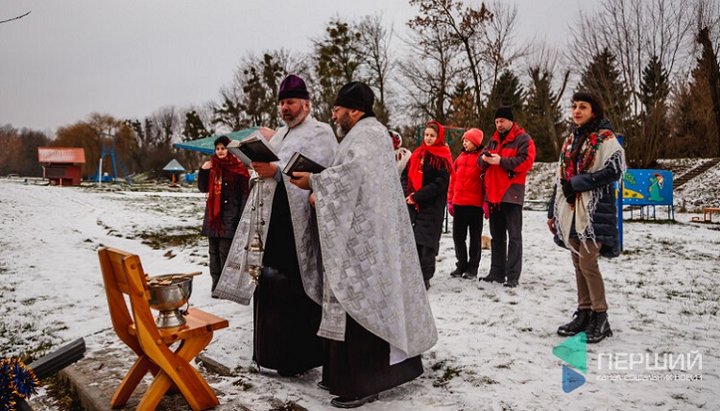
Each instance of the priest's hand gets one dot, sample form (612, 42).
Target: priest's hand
(312, 199)
(301, 179)
(264, 170)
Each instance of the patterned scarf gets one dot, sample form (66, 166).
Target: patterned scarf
(595, 150)
(437, 154)
(229, 164)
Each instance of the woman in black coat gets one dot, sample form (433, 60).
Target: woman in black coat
(225, 179)
(582, 214)
(425, 181)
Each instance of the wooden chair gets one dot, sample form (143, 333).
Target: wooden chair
(123, 275)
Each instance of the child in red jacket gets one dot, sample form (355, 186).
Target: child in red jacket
(465, 200)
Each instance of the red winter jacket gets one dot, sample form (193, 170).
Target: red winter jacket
(505, 182)
(466, 186)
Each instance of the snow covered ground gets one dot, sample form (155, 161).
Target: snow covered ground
(495, 346)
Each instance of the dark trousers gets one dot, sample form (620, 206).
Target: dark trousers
(506, 245)
(427, 261)
(467, 218)
(218, 250)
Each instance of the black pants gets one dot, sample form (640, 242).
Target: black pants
(506, 231)
(467, 218)
(218, 250)
(427, 261)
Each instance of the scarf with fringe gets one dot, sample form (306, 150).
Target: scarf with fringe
(599, 149)
(229, 164)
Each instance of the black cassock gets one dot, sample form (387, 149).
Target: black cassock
(286, 319)
(360, 365)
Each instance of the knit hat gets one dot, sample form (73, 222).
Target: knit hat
(356, 95)
(396, 139)
(504, 112)
(293, 87)
(475, 136)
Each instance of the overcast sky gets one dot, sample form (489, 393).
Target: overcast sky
(129, 58)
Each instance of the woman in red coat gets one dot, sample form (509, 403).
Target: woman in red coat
(465, 200)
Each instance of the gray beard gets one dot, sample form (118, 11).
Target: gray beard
(339, 131)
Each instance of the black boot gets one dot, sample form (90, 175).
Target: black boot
(579, 323)
(458, 272)
(599, 328)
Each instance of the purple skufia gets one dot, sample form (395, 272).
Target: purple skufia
(293, 87)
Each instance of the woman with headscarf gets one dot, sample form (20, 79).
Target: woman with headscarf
(425, 181)
(583, 214)
(225, 180)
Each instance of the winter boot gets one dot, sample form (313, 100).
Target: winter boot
(599, 328)
(579, 323)
(458, 272)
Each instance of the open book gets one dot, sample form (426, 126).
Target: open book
(298, 162)
(253, 148)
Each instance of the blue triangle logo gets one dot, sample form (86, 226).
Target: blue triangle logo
(571, 379)
(573, 351)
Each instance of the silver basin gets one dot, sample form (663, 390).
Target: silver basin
(169, 298)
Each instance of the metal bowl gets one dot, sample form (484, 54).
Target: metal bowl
(169, 298)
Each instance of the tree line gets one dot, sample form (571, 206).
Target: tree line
(653, 63)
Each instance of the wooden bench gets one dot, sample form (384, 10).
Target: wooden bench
(134, 324)
(707, 213)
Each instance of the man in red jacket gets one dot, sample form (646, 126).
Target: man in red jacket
(509, 156)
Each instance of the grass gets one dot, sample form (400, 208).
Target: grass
(162, 240)
(448, 372)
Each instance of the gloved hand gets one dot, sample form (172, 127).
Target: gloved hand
(451, 210)
(568, 191)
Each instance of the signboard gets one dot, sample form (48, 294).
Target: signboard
(647, 187)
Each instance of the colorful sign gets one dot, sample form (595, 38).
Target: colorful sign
(648, 187)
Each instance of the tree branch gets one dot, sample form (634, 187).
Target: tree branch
(15, 18)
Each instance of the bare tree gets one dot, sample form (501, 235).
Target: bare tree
(463, 26)
(429, 73)
(499, 49)
(374, 48)
(634, 31)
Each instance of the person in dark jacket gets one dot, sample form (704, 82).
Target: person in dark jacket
(509, 156)
(425, 181)
(225, 179)
(582, 213)
(465, 203)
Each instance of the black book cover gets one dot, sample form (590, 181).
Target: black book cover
(298, 162)
(254, 148)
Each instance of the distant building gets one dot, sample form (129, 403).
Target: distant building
(62, 165)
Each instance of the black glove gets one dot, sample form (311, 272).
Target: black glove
(568, 191)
